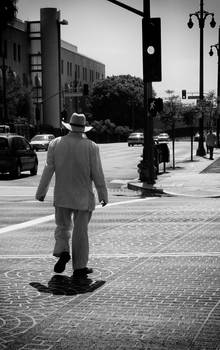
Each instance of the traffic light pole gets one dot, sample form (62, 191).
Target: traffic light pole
(147, 172)
(150, 73)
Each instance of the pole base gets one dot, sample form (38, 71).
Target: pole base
(145, 174)
(201, 151)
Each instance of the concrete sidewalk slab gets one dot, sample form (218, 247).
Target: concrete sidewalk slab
(197, 178)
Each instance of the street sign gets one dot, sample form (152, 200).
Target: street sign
(193, 97)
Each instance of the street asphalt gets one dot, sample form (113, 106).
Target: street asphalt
(156, 281)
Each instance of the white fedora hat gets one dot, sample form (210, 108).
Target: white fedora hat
(77, 123)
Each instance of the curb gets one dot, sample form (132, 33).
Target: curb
(145, 188)
(151, 190)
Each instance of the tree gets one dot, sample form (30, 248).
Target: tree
(171, 109)
(8, 12)
(119, 98)
(209, 110)
(190, 114)
(7, 15)
(169, 116)
(18, 98)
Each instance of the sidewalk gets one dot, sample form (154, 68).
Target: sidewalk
(197, 178)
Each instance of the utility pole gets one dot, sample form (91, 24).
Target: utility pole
(147, 172)
(217, 46)
(201, 16)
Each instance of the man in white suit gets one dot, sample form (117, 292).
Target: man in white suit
(76, 162)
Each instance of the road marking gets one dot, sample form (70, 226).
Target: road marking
(43, 219)
(25, 224)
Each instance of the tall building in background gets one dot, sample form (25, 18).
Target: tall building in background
(57, 74)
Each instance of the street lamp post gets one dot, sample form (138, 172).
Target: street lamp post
(59, 23)
(218, 86)
(201, 16)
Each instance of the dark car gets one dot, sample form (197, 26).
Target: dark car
(41, 141)
(17, 155)
(136, 138)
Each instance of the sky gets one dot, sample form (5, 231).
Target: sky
(113, 35)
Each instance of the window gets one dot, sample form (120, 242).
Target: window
(85, 73)
(77, 72)
(35, 62)
(19, 53)
(14, 52)
(25, 144)
(91, 75)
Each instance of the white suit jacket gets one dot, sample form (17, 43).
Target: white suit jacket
(76, 162)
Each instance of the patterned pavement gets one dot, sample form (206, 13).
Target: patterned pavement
(155, 285)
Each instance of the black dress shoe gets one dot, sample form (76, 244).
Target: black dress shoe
(61, 263)
(82, 272)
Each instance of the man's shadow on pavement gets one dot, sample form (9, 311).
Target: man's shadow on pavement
(64, 285)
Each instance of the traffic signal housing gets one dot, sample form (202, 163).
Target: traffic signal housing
(155, 105)
(183, 94)
(151, 49)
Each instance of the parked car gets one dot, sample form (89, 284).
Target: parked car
(136, 138)
(163, 137)
(17, 155)
(41, 141)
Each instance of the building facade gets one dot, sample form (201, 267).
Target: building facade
(58, 76)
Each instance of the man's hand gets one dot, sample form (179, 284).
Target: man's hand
(41, 198)
(103, 203)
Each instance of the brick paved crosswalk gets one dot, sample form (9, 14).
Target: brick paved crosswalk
(155, 283)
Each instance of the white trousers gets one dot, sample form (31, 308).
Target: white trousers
(76, 222)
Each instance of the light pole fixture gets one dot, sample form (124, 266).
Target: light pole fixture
(211, 53)
(201, 15)
(63, 22)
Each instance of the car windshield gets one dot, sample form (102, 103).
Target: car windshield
(40, 138)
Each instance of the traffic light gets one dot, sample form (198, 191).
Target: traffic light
(183, 94)
(152, 49)
(159, 104)
(155, 105)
